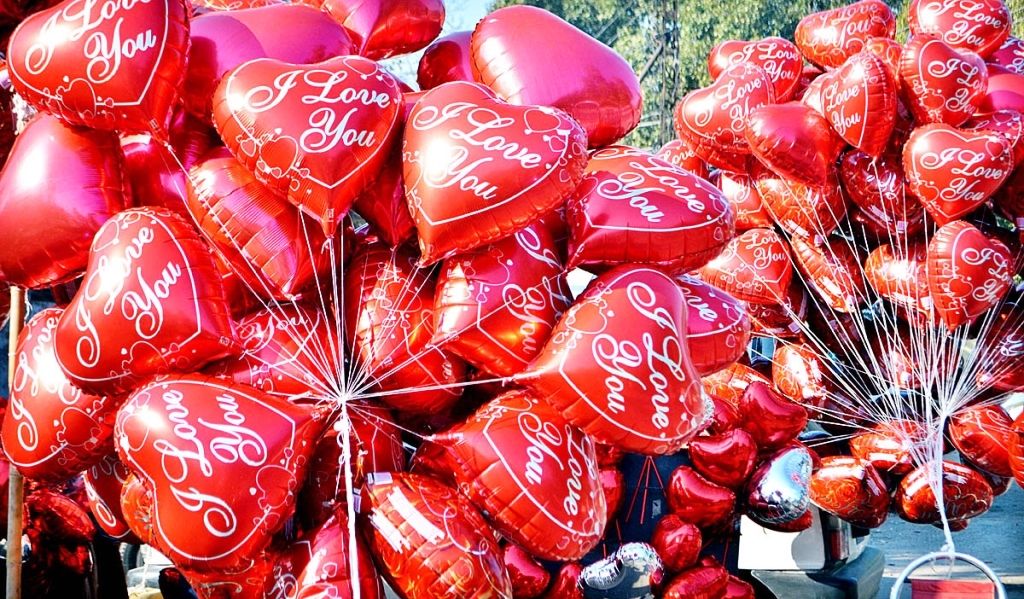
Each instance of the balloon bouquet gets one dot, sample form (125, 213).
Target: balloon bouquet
(293, 271)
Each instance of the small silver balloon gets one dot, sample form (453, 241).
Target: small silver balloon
(779, 490)
(629, 573)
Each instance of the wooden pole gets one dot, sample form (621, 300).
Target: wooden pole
(16, 493)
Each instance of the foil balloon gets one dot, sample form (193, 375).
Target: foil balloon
(979, 27)
(1009, 123)
(878, 187)
(470, 184)
(529, 579)
(632, 207)
(137, 509)
(677, 542)
(968, 273)
(632, 572)
(779, 57)
(891, 53)
(899, 274)
(852, 489)
(741, 191)
(1003, 347)
(566, 583)
(216, 500)
(795, 141)
(628, 380)
(1010, 55)
(119, 67)
(859, 101)
(725, 459)
(782, 320)
(681, 153)
(801, 209)
(777, 492)
(384, 28)
(429, 541)
(383, 204)
(532, 474)
(1016, 449)
(738, 589)
(613, 482)
(316, 134)
(103, 484)
(982, 435)
(965, 494)
(58, 186)
(511, 53)
(248, 582)
(698, 501)
(449, 58)
(754, 267)
(832, 268)
(52, 430)
(801, 374)
(701, 581)
(496, 305)
(770, 419)
(943, 84)
(828, 38)
(1004, 90)
(725, 419)
(729, 383)
(890, 446)
(717, 325)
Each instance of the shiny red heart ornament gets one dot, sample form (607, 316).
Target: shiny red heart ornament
(754, 267)
(151, 302)
(1010, 55)
(779, 57)
(965, 494)
(943, 84)
(52, 430)
(103, 485)
(115, 65)
(717, 325)
(478, 169)
(682, 153)
(982, 435)
(800, 209)
(316, 134)
(741, 191)
(385, 28)
(771, 420)
(617, 364)
(677, 542)
(898, 273)
(828, 38)
(223, 463)
(429, 540)
(701, 581)
(890, 446)
(975, 25)
(859, 101)
(878, 187)
(832, 269)
(448, 59)
(1008, 123)
(528, 577)
(795, 141)
(852, 489)
(801, 374)
(59, 185)
(632, 207)
(496, 305)
(694, 499)
(512, 50)
(952, 171)
(968, 273)
(725, 459)
(546, 496)
(729, 383)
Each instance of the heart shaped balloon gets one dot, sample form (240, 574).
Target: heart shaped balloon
(58, 186)
(968, 273)
(717, 325)
(952, 171)
(800, 209)
(632, 572)
(1008, 123)
(478, 169)
(944, 85)
(151, 302)
(1010, 55)
(741, 191)
(613, 483)
(495, 305)
(770, 419)
(891, 53)
(982, 435)
(512, 50)
(449, 58)
(777, 492)
(1004, 90)
(118, 65)
(833, 270)
(890, 446)
(528, 577)
(779, 57)
(977, 26)
(429, 540)
(249, 582)
(225, 458)
(965, 494)
(103, 485)
(1003, 347)
(783, 320)
(617, 364)
(698, 501)
(317, 134)
(754, 267)
(859, 101)
(52, 430)
(725, 459)
(801, 374)
(738, 589)
(682, 153)
(828, 38)
(725, 419)
(729, 383)
(898, 273)
(701, 581)
(852, 489)
(677, 542)
(385, 28)
(137, 509)
(632, 207)
(877, 187)
(795, 141)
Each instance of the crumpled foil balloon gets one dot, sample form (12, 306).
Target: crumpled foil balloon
(630, 573)
(778, 491)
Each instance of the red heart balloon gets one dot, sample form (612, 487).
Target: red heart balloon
(754, 267)
(795, 141)
(828, 38)
(801, 374)
(694, 499)
(852, 489)
(137, 509)
(628, 380)
(52, 430)
(714, 118)
(677, 542)
(227, 452)
(729, 383)
(613, 483)
(384, 28)
(151, 302)
(389, 326)
(546, 496)
(528, 577)
(833, 270)
(968, 273)
(741, 191)
(717, 326)
(682, 153)
(512, 50)
(952, 171)
(770, 420)
(103, 485)
(316, 134)
(429, 540)
(977, 26)
(1008, 123)
(891, 53)
(726, 417)
(898, 273)
(1010, 55)
(982, 435)
(58, 519)
(495, 306)
(800, 209)
(477, 169)
(448, 59)
(725, 459)
(701, 581)
(1002, 362)
(1005, 90)
(1016, 449)
(779, 57)
(965, 494)
(784, 320)
(944, 85)
(58, 186)
(250, 582)
(118, 65)
(877, 187)
(859, 101)
(565, 584)
(738, 589)
(890, 446)
(632, 207)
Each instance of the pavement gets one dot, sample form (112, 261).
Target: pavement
(996, 538)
